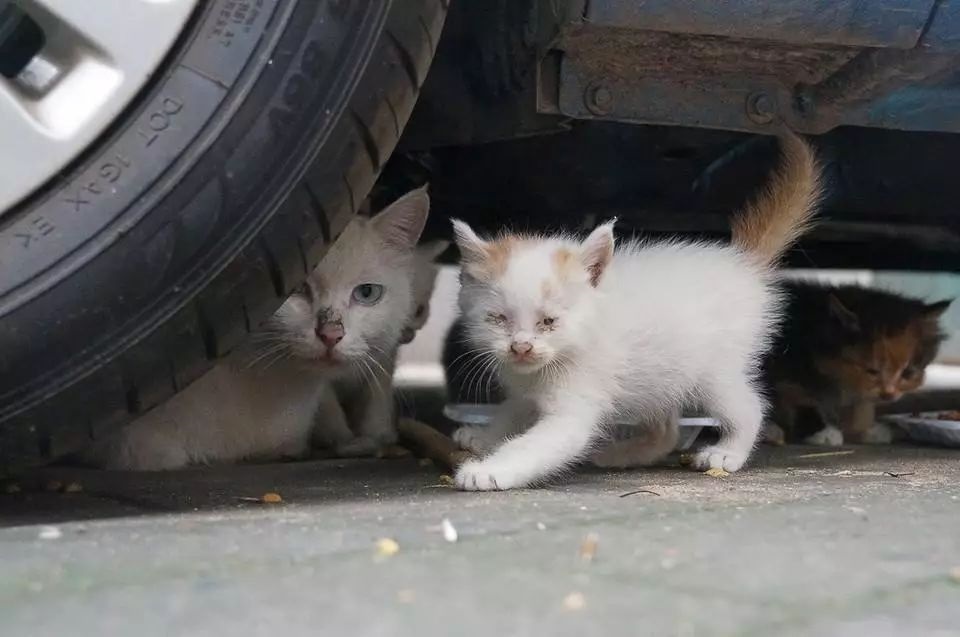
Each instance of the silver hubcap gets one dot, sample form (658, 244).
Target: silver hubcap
(97, 55)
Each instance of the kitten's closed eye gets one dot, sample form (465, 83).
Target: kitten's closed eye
(367, 293)
(909, 373)
(548, 323)
(496, 319)
(873, 371)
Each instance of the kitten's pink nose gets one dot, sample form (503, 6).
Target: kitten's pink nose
(521, 348)
(330, 334)
(889, 394)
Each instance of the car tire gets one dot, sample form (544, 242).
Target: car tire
(203, 207)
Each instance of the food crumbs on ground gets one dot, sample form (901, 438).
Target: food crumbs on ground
(425, 462)
(271, 498)
(73, 487)
(826, 454)
(11, 488)
(717, 472)
(574, 601)
(541, 526)
(53, 485)
(588, 547)
(49, 533)
(446, 480)
(449, 531)
(686, 459)
(406, 596)
(387, 547)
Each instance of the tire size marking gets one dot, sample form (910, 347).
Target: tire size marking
(108, 173)
(235, 15)
(160, 120)
(39, 227)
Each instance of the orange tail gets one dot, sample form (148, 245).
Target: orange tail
(782, 211)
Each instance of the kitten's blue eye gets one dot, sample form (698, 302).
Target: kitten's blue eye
(367, 293)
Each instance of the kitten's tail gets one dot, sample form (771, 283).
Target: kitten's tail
(781, 213)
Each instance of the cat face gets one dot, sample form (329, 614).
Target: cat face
(885, 364)
(355, 305)
(424, 279)
(527, 301)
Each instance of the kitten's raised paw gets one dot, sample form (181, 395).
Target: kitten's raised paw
(473, 438)
(477, 475)
(826, 437)
(360, 447)
(716, 457)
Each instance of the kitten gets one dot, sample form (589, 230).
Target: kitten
(325, 357)
(587, 335)
(424, 279)
(843, 349)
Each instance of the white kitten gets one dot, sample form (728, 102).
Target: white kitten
(588, 336)
(325, 357)
(424, 280)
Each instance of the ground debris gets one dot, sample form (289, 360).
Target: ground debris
(826, 454)
(638, 491)
(49, 533)
(386, 547)
(574, 601)
(588, 547)
(266, 498)
(73, 487)
(898, 475)
(449, 531)
(717, 472)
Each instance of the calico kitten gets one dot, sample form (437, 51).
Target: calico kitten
(424, 279)
(325, 357)
(587, 335)
(843, 349)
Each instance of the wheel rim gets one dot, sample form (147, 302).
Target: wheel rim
(94, 59)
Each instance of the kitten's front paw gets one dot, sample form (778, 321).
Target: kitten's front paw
(826, 437)
(473, 438)
(477, 475)
(717, 457)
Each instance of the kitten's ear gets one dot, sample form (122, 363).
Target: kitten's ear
(401, 223)
(473, 249)
(433, 249)
(596, 251)
(839, 311)
(934, 311)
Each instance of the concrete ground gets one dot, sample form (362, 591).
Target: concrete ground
(864, 543)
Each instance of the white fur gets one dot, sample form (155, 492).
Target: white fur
(829, 436)
(669, 324)
(265, 400)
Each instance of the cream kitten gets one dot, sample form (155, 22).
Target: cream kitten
(588, 335)
(424, 280)
(336, 337)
